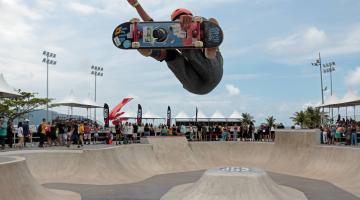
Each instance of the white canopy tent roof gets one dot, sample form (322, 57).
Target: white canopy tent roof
(150, 115)
(350, 99)
(216, 116)
(201, 116)
(182, 115)
(129, 114)
(91, 103)
(6, 91)
(72, 101)
(235, 115)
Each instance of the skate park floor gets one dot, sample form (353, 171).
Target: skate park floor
(155, 187)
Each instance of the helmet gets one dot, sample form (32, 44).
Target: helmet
(180, 11)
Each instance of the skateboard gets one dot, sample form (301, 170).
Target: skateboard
(167, 35)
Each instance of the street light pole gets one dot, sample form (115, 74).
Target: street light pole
(318, 63)
(48, 61)
(329, 68)
(96, 71)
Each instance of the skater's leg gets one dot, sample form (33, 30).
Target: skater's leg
(198, 74)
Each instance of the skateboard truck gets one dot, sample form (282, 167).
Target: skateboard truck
(136, 33)
(197, 32)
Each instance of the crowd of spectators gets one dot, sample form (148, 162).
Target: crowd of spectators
(130, 133)
(67, 132)
(59, 132)
(343, 132)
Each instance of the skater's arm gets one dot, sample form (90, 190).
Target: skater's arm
(144, 16)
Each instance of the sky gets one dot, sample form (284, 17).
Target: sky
(268, 50)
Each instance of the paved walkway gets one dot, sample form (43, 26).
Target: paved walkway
(155, 187)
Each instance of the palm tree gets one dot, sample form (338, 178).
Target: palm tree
(299, 118)
(309, 118)
(313, 118)
(270, 121)
(247, 118)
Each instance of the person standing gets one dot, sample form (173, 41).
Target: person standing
(146, 130)
(353, 135)
(62, 134)
(10, 133)
(75, 134)
(27, 133)
(87, 133)
(235, 133)
(117, 134)
(191, 131)
(272, 133)
(182, 130)
(174, 130)
(42, 132)
(96, 133)
(20, 134)
(2, 132)
(81, 134)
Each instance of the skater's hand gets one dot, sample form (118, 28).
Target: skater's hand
(132, 2)
(185, 21)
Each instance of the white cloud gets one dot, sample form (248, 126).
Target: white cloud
(81, 8)
(232, 90)
(353, 77)
(348, 42)
(304, 41)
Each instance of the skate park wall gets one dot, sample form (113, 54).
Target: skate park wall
(294, 152)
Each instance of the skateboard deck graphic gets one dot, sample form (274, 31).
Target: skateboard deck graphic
(169, 34)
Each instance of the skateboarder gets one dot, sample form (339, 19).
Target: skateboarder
(199, 70)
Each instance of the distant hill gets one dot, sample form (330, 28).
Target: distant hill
(36, 117)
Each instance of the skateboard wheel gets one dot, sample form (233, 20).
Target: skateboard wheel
(135, 45)
(135, 20)
(199, 44)
(198, 19)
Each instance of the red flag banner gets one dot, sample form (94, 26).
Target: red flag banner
(115, 110)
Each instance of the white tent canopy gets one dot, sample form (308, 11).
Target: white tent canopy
(217, 116)
(182, 115)
(6, 91)
(72, 101)
(350, 99)
(150, 115)
(235, 115)
(129, 114)
(201, 116)
(91, 103)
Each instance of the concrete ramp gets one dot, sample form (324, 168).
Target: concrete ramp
(294, 153)
(16, 182)
(173, 154)
(233, 183)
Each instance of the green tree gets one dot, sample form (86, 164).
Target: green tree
(309, 118)
(299, 118)
(270, 121)
(17, 107)
(247, 118)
